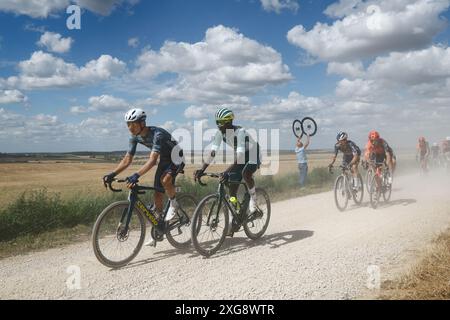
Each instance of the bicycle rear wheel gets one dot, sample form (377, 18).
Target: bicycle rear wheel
(113, 246)
(387, 188)
(179, 235)
(209, 225)
(257, 222)
(341, 193)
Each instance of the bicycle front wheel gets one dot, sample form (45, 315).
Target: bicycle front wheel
(114, 246)
(209, 225)
(369, 176)
(341, 193)
(375, 193)
(257, 222)
(358, 193)
(179, 234)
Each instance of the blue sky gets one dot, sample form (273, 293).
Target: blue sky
(353, 65)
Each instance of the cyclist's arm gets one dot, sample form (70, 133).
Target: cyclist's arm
(151, 162)
(356, 152)
(355, 159)
(124, 163)
(242, 141)
(211, 156)
(367, 152)
(336, 151)
(128, 159)
(154, 154)
(215, 146)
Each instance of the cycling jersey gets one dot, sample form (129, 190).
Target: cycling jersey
(240, 141)
(378, 148)
(157, 140)
(423, 148)
(348, 149)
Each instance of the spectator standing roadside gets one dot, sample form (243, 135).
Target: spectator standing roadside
(302, 160)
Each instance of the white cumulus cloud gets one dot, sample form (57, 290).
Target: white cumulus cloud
(224, 66)
(107, 103)
(43, 70)
(371, 28)
(279, 5)
(54, 42)
(12, 96)
(45, 8)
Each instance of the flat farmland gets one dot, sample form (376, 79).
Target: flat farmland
(75, 178)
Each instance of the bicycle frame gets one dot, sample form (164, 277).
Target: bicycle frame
(221, 194)
(381, 170)
(134, 200)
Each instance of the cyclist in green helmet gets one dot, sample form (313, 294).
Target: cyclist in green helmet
(246, 155)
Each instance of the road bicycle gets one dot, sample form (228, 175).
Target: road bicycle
(344, 188)
(379, 185)
(120, 229)
(210, 222)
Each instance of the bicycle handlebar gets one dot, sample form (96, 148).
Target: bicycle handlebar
(212, 175)
(136, 187)
(330, 168)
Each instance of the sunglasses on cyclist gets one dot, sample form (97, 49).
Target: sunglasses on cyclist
(221, 123)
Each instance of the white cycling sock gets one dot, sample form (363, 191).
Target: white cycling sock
(174, 203)
(252, 193)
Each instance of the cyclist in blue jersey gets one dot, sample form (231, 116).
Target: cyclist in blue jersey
(162, 147)
(352, 155)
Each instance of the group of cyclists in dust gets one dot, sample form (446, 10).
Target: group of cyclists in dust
(438, 154)
(246, 160)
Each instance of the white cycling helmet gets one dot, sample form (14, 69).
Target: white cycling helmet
(135, 114)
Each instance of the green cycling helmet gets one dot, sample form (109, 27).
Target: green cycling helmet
(224, 115)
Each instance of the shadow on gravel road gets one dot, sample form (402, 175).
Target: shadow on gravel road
(275, 240)
(398, 202)
(230, 246)
(382, 205)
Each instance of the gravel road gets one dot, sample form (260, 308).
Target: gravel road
(310, 251)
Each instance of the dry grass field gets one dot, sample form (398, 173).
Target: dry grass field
(69, 178)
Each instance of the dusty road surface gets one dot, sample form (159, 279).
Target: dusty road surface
(310, 251)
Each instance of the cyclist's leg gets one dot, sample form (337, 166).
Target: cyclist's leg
(159, 196)
(422, 162)
(235, 177)
(355, 171)
(247, 172)
(168, 182)
(390, 163)
(379, 159)
(394, 163)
